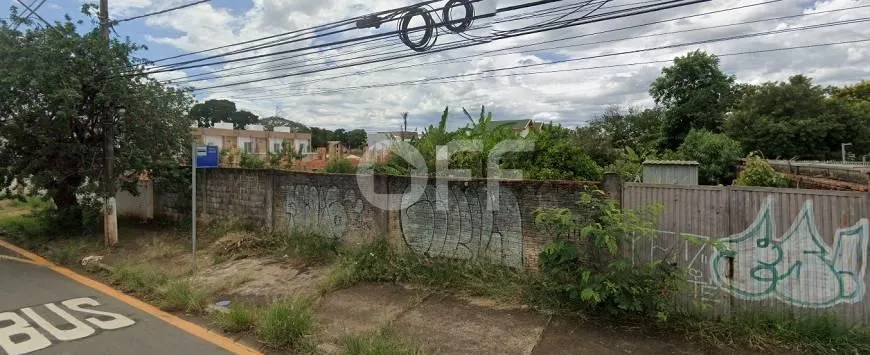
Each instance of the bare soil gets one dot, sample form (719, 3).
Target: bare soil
(439, 323)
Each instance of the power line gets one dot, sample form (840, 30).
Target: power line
(592, 20)
(444, 81)
(661, 5)
(721, 39)
(465, 58)
(32, 11)
(162, 11)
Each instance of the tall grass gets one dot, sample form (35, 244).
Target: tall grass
(382, 342)
(311, 247)
(239, 317)
(182, 295)
(287, 323)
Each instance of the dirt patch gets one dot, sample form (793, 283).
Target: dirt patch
(363, 308)
(262, 278)
(448, 325)
(571, 336)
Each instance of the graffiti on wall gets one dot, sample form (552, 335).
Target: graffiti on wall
(798, 268)
(465, 230)
(325, 209)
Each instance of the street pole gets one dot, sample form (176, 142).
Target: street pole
(193, 201)
(110, 217)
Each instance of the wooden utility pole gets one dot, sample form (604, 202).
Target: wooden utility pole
(110, 216)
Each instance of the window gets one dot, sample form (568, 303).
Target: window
(276, 147)
(249, 147)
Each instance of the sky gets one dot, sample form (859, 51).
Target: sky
(599, 73)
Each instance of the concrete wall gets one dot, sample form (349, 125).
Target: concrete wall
(138, 206)
(334, 205)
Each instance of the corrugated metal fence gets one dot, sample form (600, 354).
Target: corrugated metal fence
(762, 249)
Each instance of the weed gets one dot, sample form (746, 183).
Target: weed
(239, 318)
(378, 262)
(287, 323)
(311, 247)
(67, 253)
(383, 342)
(137, 279)
(27, 230)
(182, 295)
(764, 331)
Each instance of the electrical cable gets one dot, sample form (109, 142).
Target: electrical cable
(643, 50)
(331, 91)
(162, 11)
(460, 59)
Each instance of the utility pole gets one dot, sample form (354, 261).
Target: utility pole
(110, 216)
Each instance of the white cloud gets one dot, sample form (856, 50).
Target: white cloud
(569, 97)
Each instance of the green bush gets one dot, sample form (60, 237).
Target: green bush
(251, 161)
(716, 153)
(340, 166)
(583, 268)
(238, 318)
(758, 172)
(287, 323)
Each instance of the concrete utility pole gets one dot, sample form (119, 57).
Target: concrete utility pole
(110, 216)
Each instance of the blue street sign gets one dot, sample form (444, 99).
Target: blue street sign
(207, 156)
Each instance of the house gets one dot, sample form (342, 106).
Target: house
(380, 144)
(521, 126)
(253, 139)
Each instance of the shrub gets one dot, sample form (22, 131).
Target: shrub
(286, 323)
(251, 161)
(340, 166)
(716, 153)
(583, 268)
(182, 295)
(758, 172)
(311, 247)
(238, 318)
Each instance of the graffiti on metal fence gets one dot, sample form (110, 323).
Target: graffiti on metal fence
(465, 230)
(326, 209)
(798, 268)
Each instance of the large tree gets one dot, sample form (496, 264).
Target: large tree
(695, 93)
(57, 87)
(796, 119)
(210, 112)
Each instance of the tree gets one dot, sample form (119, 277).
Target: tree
(557, 156)
(356, 139)
(242, 118)
(716, 153)
(269, 123)
(51, 116)
(640, 130)
(210, 112)
(694, 93)
(796, 119)
(321, 136)
(859, 91)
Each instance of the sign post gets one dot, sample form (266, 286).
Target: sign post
(204, 156)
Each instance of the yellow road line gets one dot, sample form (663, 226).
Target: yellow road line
(182, 324)
(20, 260)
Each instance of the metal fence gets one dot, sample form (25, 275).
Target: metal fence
(762, 249)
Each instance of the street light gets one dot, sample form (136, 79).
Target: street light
(843, 148)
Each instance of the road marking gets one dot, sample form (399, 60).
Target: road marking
(182, 324)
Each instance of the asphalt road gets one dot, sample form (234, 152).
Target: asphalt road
(44, 312)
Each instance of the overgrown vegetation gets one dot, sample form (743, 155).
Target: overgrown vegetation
(584, 268)
(339, 166)
(311, 247)
(758, 172)
(382, 342)
(183, 296)
(819, 334)
(239, 317)
(287, 323)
